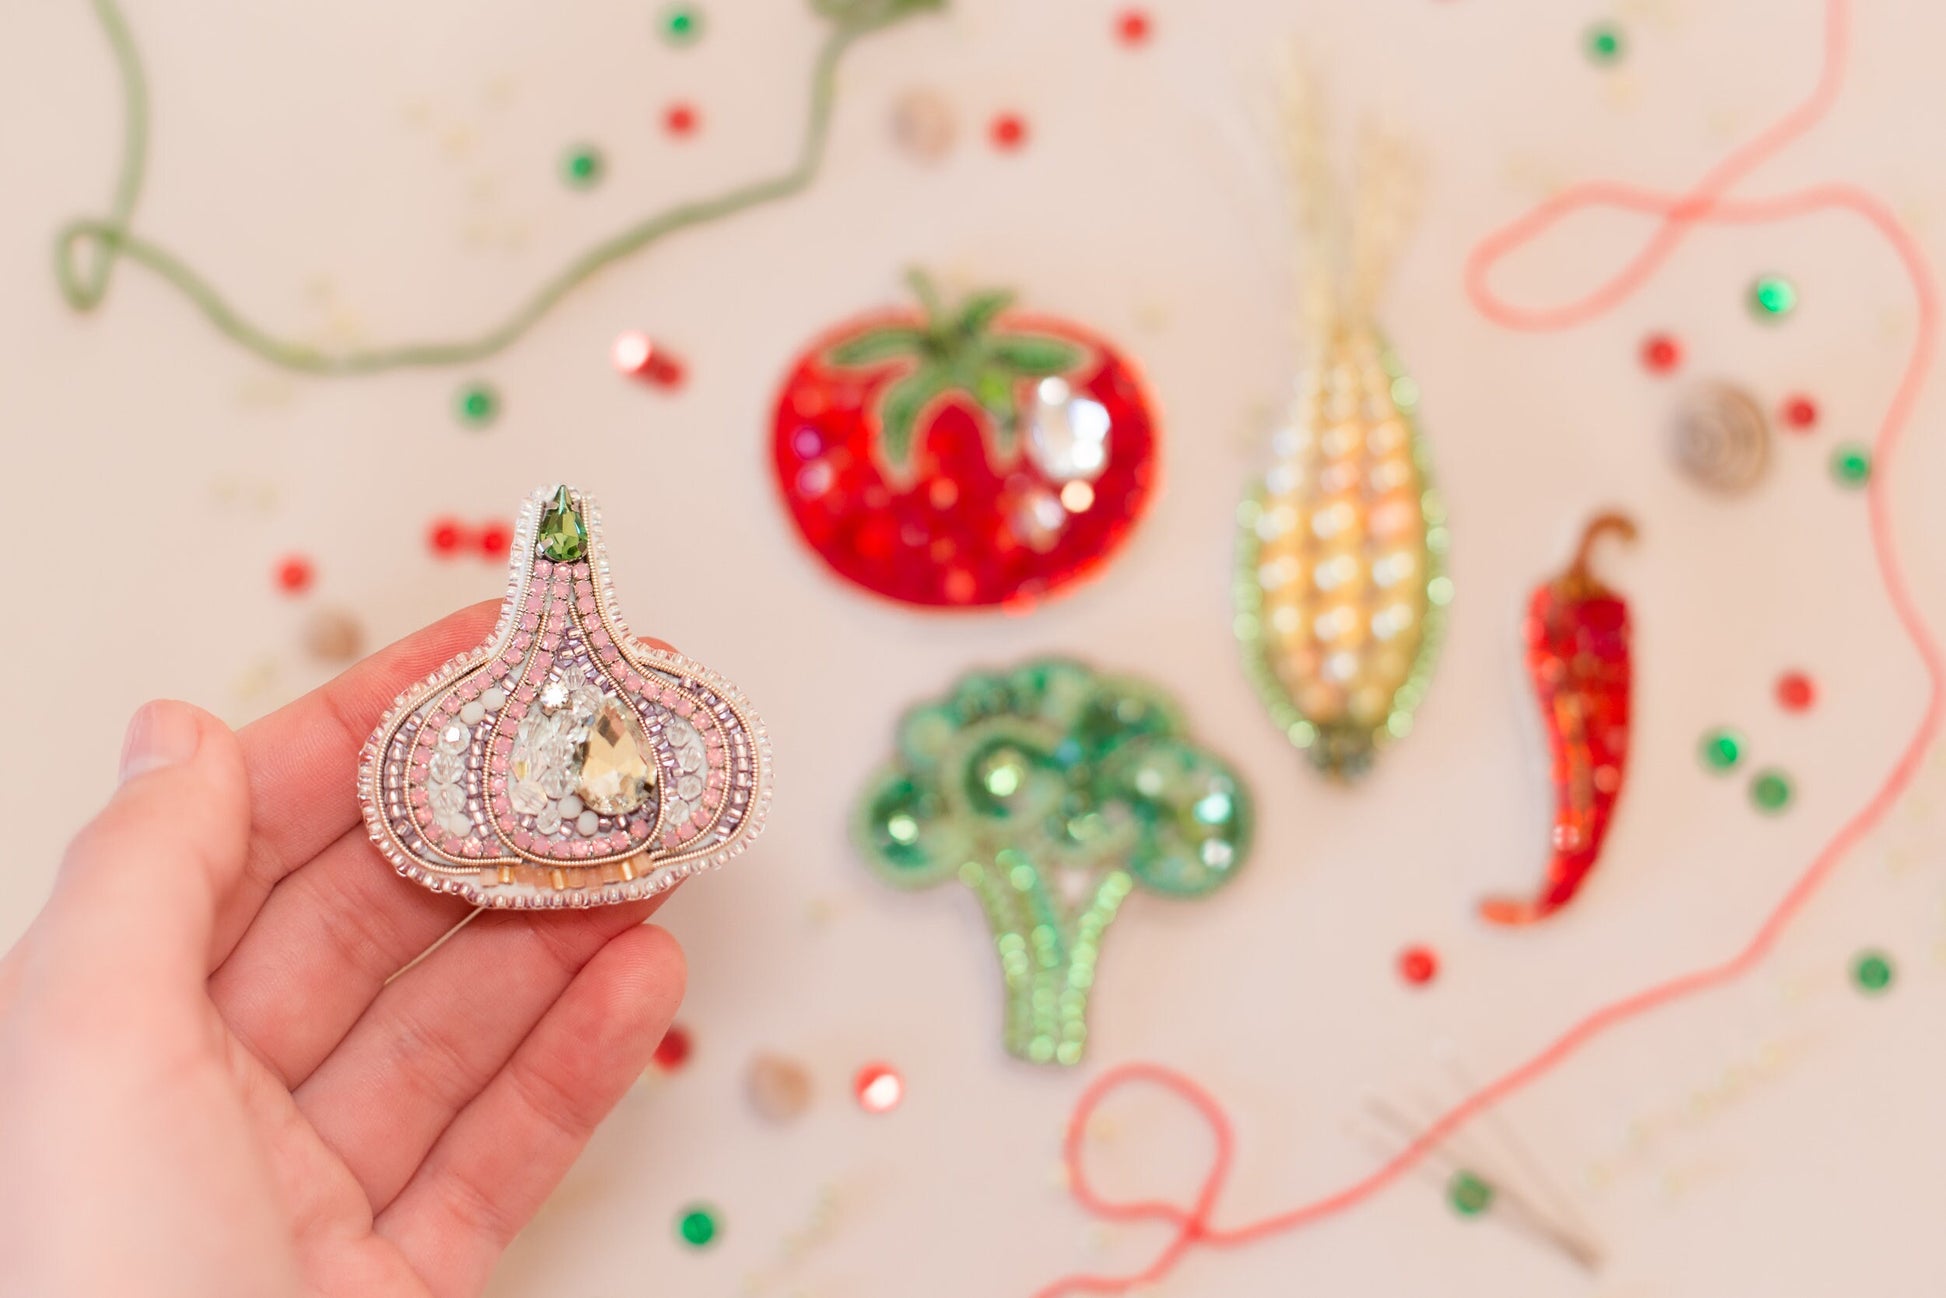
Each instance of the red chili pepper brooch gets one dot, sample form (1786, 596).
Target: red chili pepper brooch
(1578, 659)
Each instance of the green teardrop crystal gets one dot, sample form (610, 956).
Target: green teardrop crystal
(563, 536)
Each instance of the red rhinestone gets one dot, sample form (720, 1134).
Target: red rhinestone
(1418, 965)
(445, 536)
(495, 539)
(1009, 131)
(673, 1050)
(1795, 692)
(294, 574)
(1132, 27)
(1800, 412)
(1661, 353)
(679, 119)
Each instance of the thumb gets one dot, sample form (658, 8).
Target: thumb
(138, 889)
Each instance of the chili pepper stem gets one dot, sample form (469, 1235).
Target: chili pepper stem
(1579, 575)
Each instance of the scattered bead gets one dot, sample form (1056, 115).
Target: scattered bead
(879, 1088)
(1418, 965)
(1771, 791)
(1469, 1195)
(1799, 412)
(636, 355)
(478, 405)
(581, 167)
(1604, 43)
(1872, 972)
(1661, 353)
(697, 1226)
(1722, 749)
(681, 25)
(680, 119)
(1851, 465)
(922, 125)
(294, 574)
(1009, 131)
(495, 539)
(1772, 297)
(1795, 692)
(445, 536)
(673, 1050)
(1132, 27)
(780, 1089)
(332, 635)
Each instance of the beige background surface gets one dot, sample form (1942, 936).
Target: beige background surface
(377, 171)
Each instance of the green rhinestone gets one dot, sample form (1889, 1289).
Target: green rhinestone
(1851, 465)
(697, 1226)
(1604, 43)
(682, 25)
(1872, 972)
(563, 536)
(1469, 1195)
(1772, 297)
(478, 405)
(582, 166)
(1722, 749)
(1771, 791)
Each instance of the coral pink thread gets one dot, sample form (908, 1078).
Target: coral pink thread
(1676, 215)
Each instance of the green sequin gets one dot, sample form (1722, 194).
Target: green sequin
(478, 405)
(1605, 44)
(1721, 750)
(697, 1226)
(1872, 972)
(1772, 297)
(1851, 465)
(582, 166)
(1469, 1195)
(1771, 791)
(1052, 793)
(681, 25)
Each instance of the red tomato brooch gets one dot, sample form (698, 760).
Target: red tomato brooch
(967, 457)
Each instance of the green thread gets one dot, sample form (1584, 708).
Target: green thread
(85, 287)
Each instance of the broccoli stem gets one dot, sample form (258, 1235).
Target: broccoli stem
(1047, 950)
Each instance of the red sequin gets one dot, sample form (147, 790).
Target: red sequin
(495, 539)
(680, 119)
(445, 536)
(673, 1050)
(950, 537)
(1795, 692)
(1009, 131)
(636, 355)
(294, 574)
(1133, 27)
(1418, 965)
(1661, 353)
(1800, 412)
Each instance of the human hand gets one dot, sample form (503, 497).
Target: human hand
(209, 1087)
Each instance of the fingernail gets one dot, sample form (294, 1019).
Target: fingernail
(159, 734)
